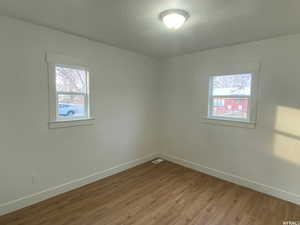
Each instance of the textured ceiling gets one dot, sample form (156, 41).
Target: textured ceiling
(134, 24)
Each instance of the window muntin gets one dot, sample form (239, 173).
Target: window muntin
(72, 93)
(230, 97)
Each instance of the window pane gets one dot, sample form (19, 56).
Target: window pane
(70, 79)
(237, 84)
(70, 106)
(236, 108)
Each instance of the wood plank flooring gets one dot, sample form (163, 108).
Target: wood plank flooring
(163, 194)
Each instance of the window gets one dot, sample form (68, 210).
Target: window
(69, 92)
(231, 97)
(72, 98)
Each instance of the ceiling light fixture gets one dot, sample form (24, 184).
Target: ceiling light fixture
(174, 18)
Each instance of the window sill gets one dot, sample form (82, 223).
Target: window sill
(71, 123)
(231, 123)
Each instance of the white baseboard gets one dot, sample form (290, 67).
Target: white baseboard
(273, 191)
(51, 192)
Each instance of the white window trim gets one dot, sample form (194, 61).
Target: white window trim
(53, 60)
(253, 69)
(71, 123)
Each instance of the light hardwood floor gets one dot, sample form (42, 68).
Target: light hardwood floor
(164, 194)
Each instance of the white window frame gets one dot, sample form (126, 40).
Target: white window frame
(250, 122)
(54, 60)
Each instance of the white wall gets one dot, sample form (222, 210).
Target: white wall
(124, 99)
(269, 154)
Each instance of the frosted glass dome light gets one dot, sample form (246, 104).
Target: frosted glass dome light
(174, 18)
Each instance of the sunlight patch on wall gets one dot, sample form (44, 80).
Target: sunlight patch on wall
(287, 134)
(287, 148)
(288, 120)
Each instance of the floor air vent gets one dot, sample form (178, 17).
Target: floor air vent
(157, 161)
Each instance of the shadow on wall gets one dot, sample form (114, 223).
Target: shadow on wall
(287, 134)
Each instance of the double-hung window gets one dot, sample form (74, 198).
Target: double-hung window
(72, 96)
(232, 98)
(69, 92)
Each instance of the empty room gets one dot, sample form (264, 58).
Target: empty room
(150, 112)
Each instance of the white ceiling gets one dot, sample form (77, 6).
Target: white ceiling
(134, 24)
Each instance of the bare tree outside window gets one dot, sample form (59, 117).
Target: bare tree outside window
(239, 84)
(70, 80)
